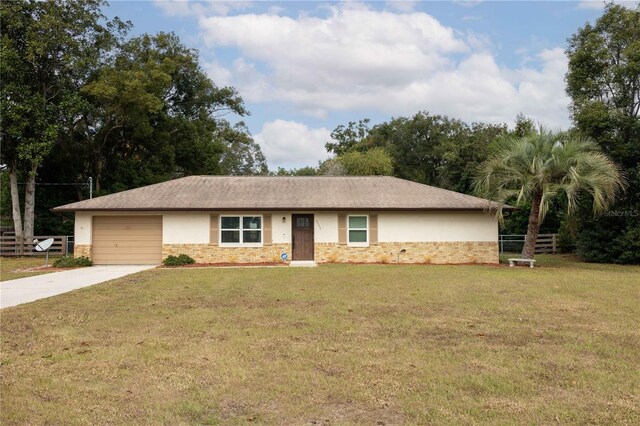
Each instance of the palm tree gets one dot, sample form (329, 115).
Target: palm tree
(541, 166)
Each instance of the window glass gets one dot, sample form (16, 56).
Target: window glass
(357, 222)
(230, 237)
(251, 236)
(303, 222)
(358, 229)
(241, 229)
(230, 222)
(249, 222)
(357, 236)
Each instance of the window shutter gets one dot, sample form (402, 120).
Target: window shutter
(342, 229)
(373, 229)
(213, 229)
(266, 230)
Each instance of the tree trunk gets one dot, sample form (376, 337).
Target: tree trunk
(30, 204)
(529, 248)
(15, 204)
(99, 157)
(99, 167)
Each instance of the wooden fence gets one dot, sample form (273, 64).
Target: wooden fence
(9, 246)
(546, 243)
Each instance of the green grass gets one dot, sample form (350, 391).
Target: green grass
(555, 261)
(340, 344)
(12, 268)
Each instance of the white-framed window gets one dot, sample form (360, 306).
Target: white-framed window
(358, 230)
(240, 230)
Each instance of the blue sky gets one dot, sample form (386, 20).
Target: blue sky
(305, 67)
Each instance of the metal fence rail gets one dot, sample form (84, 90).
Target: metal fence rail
(9, 246)
(546, 243)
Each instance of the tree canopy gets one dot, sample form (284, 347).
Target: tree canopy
(603, 81)
(537, 168)
(49, 50)
(432, 149)
(80, 99)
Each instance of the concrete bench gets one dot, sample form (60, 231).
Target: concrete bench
(513, 261)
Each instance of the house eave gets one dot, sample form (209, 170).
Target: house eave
(309, 209)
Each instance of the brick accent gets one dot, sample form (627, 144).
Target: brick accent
(205, 253)
(427, 252)
(82, 250)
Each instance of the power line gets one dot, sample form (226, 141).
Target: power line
(89, 183)
(56, 184)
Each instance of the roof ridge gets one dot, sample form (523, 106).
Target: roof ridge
(290, 177)
(440, 189)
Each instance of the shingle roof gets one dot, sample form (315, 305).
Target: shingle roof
(284, 193)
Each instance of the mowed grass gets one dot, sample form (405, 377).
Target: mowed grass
(337, 344)
(12, 268)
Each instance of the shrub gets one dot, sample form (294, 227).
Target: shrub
(180, 260)
(566, 239)
(72, 262)
(617, 243)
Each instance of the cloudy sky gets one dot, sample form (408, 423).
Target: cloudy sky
(305, 67)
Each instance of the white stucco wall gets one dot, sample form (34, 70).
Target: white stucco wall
(437, 226)
(82, 228)
(280, 231)
(417, 226)
(185, 227)
(193, 227)
(326, 227)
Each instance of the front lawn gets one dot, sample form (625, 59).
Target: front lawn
(12, 268)
(334, 344)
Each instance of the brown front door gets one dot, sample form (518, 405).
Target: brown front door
(302, 234)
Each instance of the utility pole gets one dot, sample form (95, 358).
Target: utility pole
(90, 187)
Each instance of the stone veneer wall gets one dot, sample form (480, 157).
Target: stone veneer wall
(205, 253)
(81, 250)
(427, 252)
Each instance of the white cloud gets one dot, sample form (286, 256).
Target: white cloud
(402, 5)
(225, 7)
(194, 8)
(356, 59)
(276, 10)
(175, 7)
(363, 60)
(218, 73)
(468, 3)
(291, 144)
(590, 4)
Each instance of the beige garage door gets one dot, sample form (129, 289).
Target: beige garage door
(133, 240)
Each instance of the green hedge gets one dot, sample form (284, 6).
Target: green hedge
(179, 260)
(72, 262)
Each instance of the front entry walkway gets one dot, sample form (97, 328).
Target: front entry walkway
(24, 290)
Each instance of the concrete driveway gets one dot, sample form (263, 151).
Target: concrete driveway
(24, 290)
